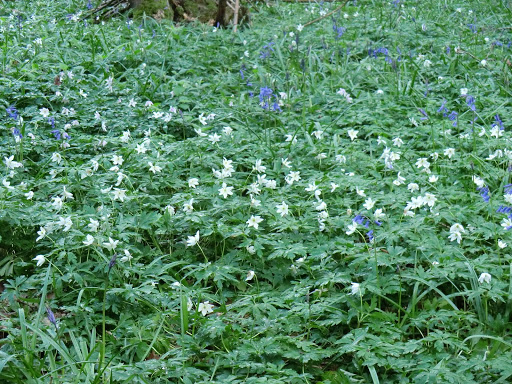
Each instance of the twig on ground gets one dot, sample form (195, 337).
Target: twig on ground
(326, 15)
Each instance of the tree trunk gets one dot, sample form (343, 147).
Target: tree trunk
(214, 12)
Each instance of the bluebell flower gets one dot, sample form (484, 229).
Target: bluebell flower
(453, 117)
(265, 94)
(484, 192)
(339, 31)
(51, 317)
(473, 28)
(425, 116)
(51, 121)
(267, 50)
(16, 133)
(498, 122)
(447, 50)
(443, 108)
(89, 5)
(508, 189)
(12, 112)
(57, 134)
(112, 262)
(504, 209)
(370, 235)
(470, 101)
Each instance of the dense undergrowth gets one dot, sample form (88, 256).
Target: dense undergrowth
(288, 204)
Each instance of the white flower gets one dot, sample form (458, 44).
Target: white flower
(433, 178)
(449, 152)
(300, 27)
(93, 225)
(41, 233)
(397, 142)
(254, 202)
(57, 203)
(154, 168)
(360, 192)
(378, 214)
(292, 176)
(215, 138)
(111, 245)
(496, 132)
(464, 91)
(199, 132)
(352, 133)
(40, 260)
(66, 195)
(258, 167)
(127, 256)
(227, 131)
(250, 276)
(45, 112)
(369, 203)
(311, 187)
(456, 231)
(413, 187)
(88, 240)
(141, 148)
(318, 134)
(193, 182)
(334, 186)
(170, 209)
(66, 223)
(282, 209)
(351, 228)
(502, 244)
(56, 157)
(427, 63)
(29, 195)
(399, 180)
(188, 207)
(355, 288)
(225, 191)
(193, 240)
(483, 63)
(205, 308)
(254, 221)
(119, 194)
(82, 93)
(286, 163)
(125, 137)
(506, 223)
(430, 200)
(422, 162)
(11, 164)
(484, 277)
(117, 160)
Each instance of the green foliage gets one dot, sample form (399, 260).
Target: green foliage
(327, 204)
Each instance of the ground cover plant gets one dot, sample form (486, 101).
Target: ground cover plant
(293, 203)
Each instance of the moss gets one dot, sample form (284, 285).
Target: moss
(155, 8)
(204, 10)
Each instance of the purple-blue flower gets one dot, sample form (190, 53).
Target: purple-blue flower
(51, 317)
